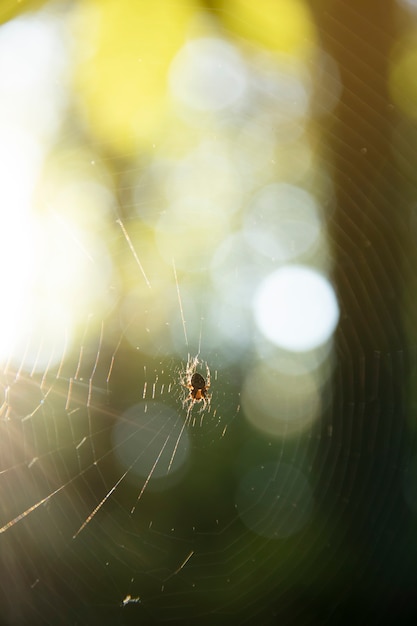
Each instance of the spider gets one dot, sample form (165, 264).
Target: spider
(196, 383)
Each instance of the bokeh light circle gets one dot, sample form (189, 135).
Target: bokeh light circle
(208, 75)
(283, 221)
(280, 404)
(296, 308)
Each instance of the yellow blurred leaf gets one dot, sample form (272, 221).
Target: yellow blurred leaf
(126, 47)
(403, 78)
(9, 9)
(280, 25)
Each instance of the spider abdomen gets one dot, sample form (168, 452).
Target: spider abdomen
(197, 381)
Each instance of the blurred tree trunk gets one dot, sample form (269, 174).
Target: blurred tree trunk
(368, 229)
(363, 464)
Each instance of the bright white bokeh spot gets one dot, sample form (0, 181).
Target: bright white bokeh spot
(296, 308)
(208, 75)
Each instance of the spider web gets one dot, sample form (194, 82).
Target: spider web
(90, 449)
(121, 502)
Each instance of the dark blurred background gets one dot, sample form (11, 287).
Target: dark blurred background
(225, 187)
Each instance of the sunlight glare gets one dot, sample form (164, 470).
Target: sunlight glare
(20, 160)
(16, 274)
(33, 74)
